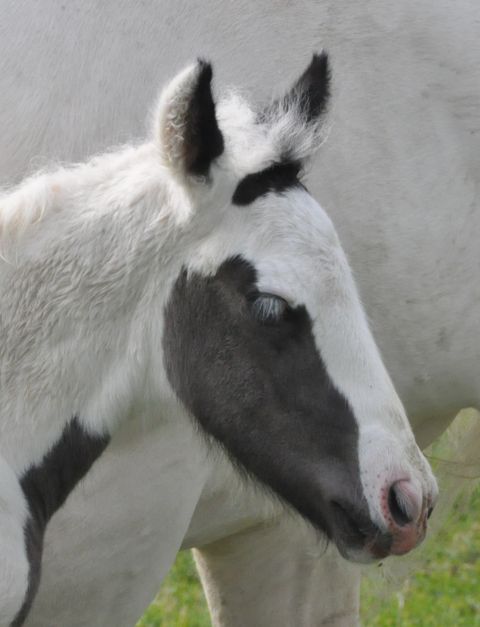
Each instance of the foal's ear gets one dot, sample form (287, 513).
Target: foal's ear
(311, 92)
(186, 127)
(298, 116)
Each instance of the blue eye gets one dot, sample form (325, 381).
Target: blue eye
(269, 308)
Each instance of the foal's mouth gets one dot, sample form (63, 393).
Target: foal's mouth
(357, 535)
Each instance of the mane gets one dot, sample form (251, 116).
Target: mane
(119, 175)
(24, 205)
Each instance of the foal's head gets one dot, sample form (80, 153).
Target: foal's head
(265, 340)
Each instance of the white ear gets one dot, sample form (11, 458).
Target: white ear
(186, 129)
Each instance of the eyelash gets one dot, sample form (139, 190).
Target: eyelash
(269, 308)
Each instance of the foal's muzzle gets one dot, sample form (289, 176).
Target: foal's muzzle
(405, 513)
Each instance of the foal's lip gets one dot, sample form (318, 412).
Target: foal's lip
(380, 547)
(353, 528)
(411, 536)
(356, 531)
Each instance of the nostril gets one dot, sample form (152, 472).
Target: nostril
(398, 506)
(430, 511)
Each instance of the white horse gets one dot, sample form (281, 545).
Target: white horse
(400, 174)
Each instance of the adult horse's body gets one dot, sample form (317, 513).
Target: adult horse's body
(400, 177)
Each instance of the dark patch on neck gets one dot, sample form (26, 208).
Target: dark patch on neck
(262, 391)
(203, 139)
(276, 178)
(46, 487)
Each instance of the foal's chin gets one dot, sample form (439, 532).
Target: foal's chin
(369, 551)
(360, 540)
(370, 548)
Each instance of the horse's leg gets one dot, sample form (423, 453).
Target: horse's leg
(278, 574)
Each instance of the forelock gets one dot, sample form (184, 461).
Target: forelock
(248, 147)
(255, 140)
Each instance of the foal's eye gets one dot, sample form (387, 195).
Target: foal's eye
(269, 308)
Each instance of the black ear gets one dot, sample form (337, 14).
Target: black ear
(312, 89)
(187, 127)
(203, 138)
(310, 93)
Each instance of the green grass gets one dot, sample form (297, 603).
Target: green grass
(180, 602)
(446, 591)
(443, 592)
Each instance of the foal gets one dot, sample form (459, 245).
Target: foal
(195, 272)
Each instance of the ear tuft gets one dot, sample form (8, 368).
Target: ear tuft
(295, 122)
(311, 92)
(186, 124)
(308, 97)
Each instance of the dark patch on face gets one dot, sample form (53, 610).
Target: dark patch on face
(277, 178)
(46, 487)
(203, 138)
(262, 391)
